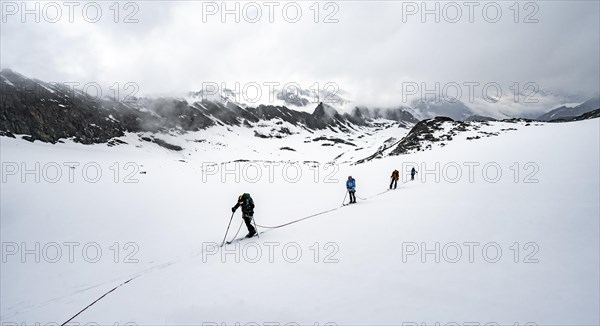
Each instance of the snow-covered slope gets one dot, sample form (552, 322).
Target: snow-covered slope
(538, 203)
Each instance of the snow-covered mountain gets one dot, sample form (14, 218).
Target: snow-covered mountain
(571, 112)
(431, 108)
(292, 97)
(51, 112)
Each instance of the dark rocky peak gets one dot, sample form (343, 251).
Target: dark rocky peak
(326, 113)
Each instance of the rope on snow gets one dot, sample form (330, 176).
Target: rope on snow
(316, 214)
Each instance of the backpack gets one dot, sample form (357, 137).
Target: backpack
(247, 202)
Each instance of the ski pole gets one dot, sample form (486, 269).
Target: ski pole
(343, 201)
(225, 237)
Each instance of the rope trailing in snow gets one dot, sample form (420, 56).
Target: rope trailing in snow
(381, 193)
(316, 214)
(105, 294)
(298, 220)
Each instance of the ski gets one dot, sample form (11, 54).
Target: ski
(242, 239)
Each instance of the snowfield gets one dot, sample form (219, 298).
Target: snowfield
(502, 229)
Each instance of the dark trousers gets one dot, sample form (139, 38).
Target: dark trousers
(352, 196)
(412, 176)
(248, 220)
(395, 183)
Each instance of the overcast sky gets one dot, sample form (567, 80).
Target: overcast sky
(373, 51)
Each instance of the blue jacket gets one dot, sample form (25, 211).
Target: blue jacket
(351, 184)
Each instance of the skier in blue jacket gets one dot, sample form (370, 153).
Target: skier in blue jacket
(412, 173)
(351, 187)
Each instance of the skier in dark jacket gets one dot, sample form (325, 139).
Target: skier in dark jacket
(351, 187)
(247, 204)
(412, 173)
(395, 176)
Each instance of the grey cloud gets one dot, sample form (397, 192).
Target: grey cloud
(370, 53)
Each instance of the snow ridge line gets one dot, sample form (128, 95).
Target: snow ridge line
(102, 296)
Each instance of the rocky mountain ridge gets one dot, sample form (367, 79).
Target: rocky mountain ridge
(50, 112)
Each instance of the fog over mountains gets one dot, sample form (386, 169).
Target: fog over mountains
(53, 111)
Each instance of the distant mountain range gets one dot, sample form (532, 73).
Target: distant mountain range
(50, 112)
(429, 108)
(569, 112)
(421, 109)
